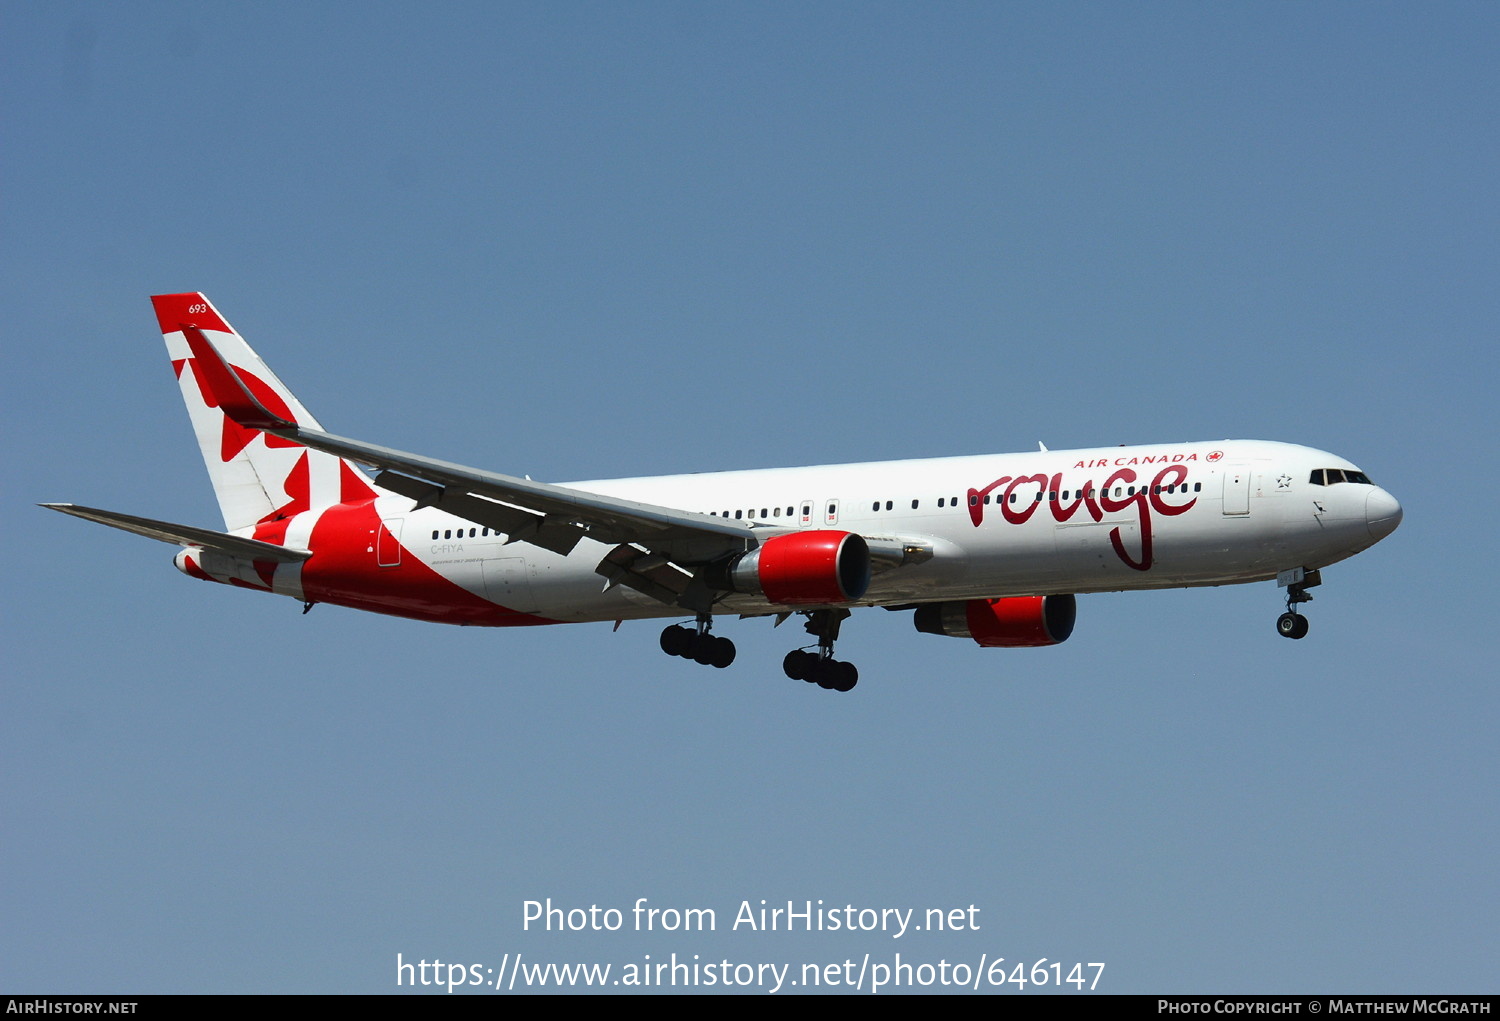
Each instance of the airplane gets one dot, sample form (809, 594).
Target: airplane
(993, 548)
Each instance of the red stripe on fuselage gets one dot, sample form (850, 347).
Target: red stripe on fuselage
(343, 571)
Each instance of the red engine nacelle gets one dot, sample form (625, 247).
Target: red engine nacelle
(803, 569)
(1013, 622)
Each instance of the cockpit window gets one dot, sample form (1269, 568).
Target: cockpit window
(1333, 476)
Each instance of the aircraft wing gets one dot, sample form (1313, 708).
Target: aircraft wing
(550, 516)
(555, 517)
(185, 535)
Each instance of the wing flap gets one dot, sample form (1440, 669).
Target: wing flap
(654, 575)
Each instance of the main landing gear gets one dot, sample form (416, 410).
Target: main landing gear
(698, 645)
(1292, 624)
(820, 667)
(816, 667)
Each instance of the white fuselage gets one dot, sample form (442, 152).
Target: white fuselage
(1075, 521)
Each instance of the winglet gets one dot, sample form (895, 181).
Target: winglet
(229, 391)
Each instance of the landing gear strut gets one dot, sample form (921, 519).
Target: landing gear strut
(1292, 624)
(820, 667)
(697, 644)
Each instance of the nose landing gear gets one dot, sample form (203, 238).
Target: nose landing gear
(1291, 624)
(697, 644)
(1297, 581)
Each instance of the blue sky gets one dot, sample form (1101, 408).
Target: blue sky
(588, 240)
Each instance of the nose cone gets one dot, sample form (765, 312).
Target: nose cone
(1382, 514)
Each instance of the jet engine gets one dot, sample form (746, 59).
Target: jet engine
(1012, 622)
(814, 568)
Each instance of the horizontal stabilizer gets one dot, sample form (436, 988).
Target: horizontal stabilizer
(185, 535)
